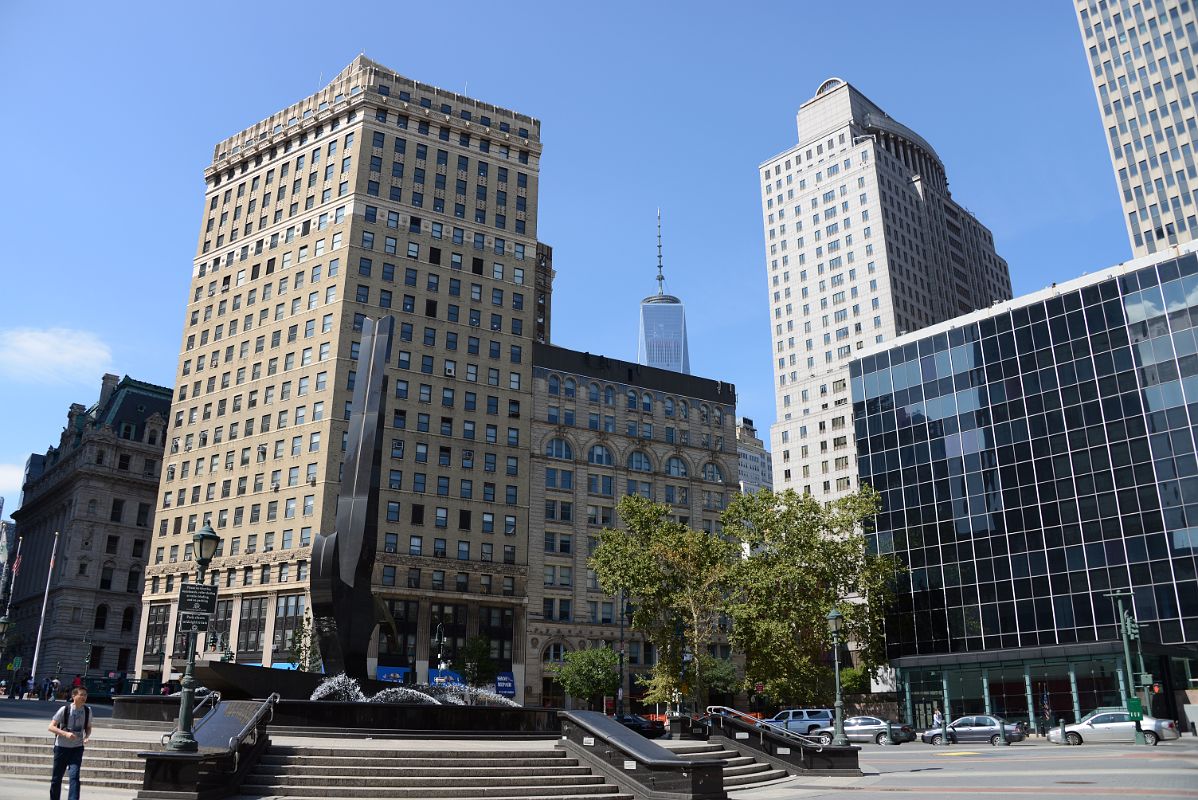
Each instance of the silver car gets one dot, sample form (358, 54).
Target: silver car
(867, 729)
(1114, 725)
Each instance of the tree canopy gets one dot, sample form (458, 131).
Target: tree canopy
(781, 563)
(587, 674)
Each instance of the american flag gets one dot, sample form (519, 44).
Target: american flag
(16, 566)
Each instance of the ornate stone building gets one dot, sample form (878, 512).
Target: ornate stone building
(377, 195)
(97, 489)
(602, 429)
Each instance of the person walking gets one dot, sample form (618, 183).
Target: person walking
(937, 717)
(72, 728)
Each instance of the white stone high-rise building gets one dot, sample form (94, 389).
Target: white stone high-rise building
(863, 242)
(756, 470)
(1141, 60)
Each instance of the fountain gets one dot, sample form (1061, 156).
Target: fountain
(343, 688)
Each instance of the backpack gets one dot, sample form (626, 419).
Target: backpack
(87, 716)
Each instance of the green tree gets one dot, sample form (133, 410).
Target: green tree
(588, 674)
(805, 557)
(474, 662)
(305, 647)
(677, 579)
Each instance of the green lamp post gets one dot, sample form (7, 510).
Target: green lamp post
(183, 740)
(835, 624)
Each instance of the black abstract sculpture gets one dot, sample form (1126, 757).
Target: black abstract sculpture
(343, 606)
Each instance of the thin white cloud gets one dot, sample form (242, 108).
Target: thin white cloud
(52, 355)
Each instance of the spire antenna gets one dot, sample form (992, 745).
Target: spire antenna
(660, 277)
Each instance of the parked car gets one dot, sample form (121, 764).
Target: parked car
(649, 728)
(1114, 725)
(801, 720)
(982, 728)
(868, 729)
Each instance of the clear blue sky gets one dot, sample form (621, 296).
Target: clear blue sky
(112, 110)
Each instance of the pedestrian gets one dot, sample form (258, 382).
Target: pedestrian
(75, 684)
(72, 728)
(55, 687)
(14, 691)
(45, 692)
(937, 717)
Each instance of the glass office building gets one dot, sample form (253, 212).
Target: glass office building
(1032, 458)
(662, 340)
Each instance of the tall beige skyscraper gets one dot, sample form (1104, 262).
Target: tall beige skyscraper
(376, 195)
(863, 241)
(1141, 60)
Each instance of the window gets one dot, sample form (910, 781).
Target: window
(598, 454)
(559, 448)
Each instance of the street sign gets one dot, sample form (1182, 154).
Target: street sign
(759, 687)
(199, 598)
(191, 622)
(1135, 709)
(16, 662)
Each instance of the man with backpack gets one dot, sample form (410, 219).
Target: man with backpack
(72, 728)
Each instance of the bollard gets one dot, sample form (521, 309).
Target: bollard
(1064, 741)
(889, 733)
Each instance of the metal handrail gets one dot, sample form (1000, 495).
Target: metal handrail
(211, 697)
(805, 741)
(267, 705)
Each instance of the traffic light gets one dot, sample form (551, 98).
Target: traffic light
(1131, 625)
(1157, 688)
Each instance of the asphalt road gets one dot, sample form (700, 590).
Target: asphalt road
(1033, 769)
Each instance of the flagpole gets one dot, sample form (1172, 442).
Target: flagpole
(42, 622)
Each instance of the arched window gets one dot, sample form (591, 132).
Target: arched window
(684, 409)
(555, 385)
(669, 404)
(599, 454)
(703, 414)
(570, 387)
(554, 653)
(675, 467)
(101, 620)
(127, 620)
(593, 393)
(559, 448)
(609, 395)
(632, 400)
(719, 417)
(639, 461)
(712, 472)
(647, 402)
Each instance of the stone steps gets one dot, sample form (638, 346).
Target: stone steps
(107, 763)
(740, 772)
(293, 771)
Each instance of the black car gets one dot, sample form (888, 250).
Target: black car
(649, 728)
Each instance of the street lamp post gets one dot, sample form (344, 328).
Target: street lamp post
(835, 622)
(4, 646)
(183, 740)
(440, 637)
(625, 610)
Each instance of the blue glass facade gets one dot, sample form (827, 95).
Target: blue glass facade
(662, 342)
(1034, 457)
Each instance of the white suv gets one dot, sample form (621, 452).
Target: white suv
(801, 720)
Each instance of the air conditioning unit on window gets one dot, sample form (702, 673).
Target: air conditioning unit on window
(450, 369)
(274, 487)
